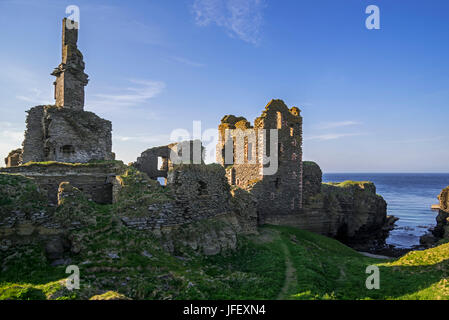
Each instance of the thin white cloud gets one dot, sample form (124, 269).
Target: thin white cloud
(128, 97)
(30, 86)
(163, 139)
(188, 62)
(338, 124)
(331, 136)
(418, 140)
(241, 18)
(37, 97)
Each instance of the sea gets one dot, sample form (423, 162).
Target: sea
(409, 197)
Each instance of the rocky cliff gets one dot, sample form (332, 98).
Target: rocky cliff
(349, 211)
(441, 230)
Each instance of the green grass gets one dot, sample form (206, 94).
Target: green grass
(323, 269)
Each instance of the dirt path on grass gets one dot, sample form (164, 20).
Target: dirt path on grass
(290, 275)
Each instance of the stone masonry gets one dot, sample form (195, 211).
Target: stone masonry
(187, 152)
(64, 132)
(95, 180)
(70, 76)
(14, 158)
(278, 192)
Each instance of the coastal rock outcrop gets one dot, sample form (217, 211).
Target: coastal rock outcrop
(349, 211)
(441, 230)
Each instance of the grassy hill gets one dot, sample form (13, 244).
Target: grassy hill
(279, 263)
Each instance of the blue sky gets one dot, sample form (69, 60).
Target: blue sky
(372, 100)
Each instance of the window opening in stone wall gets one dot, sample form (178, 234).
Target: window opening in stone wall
(160, 163)
(162, 181)
(279, 120)
(232, 178)
(67, 149)
(249, 155)
(277, 183)
(202, 188)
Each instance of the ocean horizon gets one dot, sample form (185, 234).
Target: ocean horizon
(409, 197)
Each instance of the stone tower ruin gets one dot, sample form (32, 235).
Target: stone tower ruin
(265, 159)
(70, 76)
(64, 132)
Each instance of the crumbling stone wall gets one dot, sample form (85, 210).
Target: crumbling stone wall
(187, 152)
(25, 218)
(65, 132)
(70, 76)
(196, 208)
(196, 192)
(95, 180)
(279, 193)
(14, 158)
(312, 178)
(193, 193)
(33, 144)
(65, 135)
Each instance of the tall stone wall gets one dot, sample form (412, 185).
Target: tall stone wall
(70, 76)
(279, 191)
(33, 144)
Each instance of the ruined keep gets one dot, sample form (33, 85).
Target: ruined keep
(64, 132)
(271, 169)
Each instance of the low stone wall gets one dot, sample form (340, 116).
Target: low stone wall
(95, 180)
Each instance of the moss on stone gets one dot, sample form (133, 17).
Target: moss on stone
(20, 194)
(92, 163)
(138, 192)
(110, 295)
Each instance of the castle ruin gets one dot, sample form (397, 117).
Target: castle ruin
(266, 158)
(64, 132)
(259, 177)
